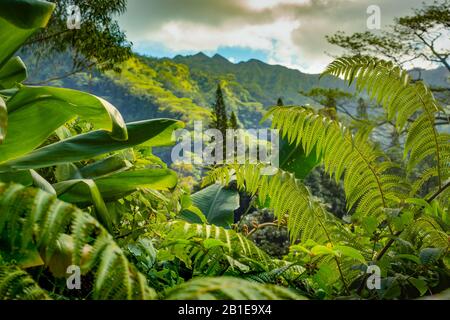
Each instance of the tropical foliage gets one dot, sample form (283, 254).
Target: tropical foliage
(83, 195)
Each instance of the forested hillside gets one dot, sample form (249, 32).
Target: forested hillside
(184, 87)
(101, 198)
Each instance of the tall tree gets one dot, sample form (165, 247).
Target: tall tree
(220, 120)
(421, 36)
(331, 99)
(280, 102)
(99, 42)
(361, 109)
(233, 121)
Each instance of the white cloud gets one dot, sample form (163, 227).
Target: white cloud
(290, 32)
(263, 4)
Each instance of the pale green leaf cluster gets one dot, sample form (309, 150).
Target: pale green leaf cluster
(33, 220)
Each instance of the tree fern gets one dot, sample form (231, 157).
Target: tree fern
(306, 219)
(16, 284)
(229, 288)
(369, 180)
(235, 250)
(285, 194)
(34, 220)
(426, 232)
(404, 101)
(286, 271)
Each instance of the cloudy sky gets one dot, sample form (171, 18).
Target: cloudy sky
(287, 32)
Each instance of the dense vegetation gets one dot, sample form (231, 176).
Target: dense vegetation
(82, 188)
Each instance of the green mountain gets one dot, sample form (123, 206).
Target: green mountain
(184, 87)
(264, 82)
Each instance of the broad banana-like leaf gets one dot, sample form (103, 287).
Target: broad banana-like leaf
(27, 178)
(104, 167)
(3, 120)
(188, 209)
(294, 159)
(93, 196)
(13, 72)
(110, 165)
(42, 110)
(217, 204)
(116, 186)
(41, 183)
(67, 171)
(155, 132)
(21, 177)
(19, 19)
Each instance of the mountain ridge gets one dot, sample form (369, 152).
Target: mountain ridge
(184, 87)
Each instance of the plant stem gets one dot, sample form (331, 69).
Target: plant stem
(440, 190)
(263, 225)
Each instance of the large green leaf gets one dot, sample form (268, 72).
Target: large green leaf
(107, 166)
(217, 204)
(42, 110)
(3, 120)
(13, 72)
(21, 177)
(117, 185)
(41, 183)
(19, 19)
(153, 133)
(294, 159)
(27, 178)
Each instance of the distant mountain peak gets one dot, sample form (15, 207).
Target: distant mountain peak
(253, 60)
(218, 57)
(200, 55)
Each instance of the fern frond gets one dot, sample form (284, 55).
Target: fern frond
(229, 288)
(404, 101)
(287, 196)
(426, 232)
(369, 182)
(16, 284)
(31, 218)
(235, 245)
(287, 270)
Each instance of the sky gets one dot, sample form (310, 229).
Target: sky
(286, 32)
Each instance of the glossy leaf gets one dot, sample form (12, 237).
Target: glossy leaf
(41, 183)
(21, 177)
(13, 72)
(217, 204)
(294, 159)
(3, 120)
(45, 109)
(107, 166)
(156, 132)
(117, 185)
(19, 19)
